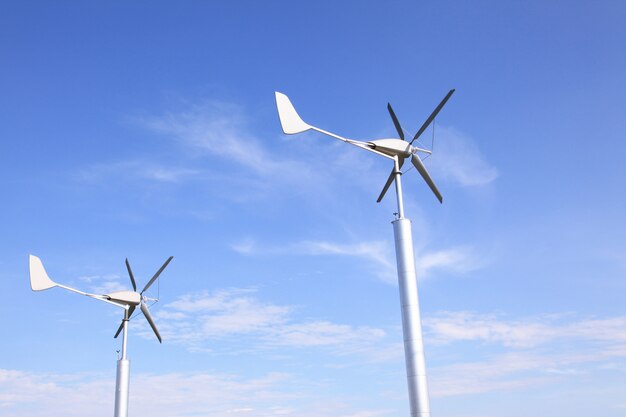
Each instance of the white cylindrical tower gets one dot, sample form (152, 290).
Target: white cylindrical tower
(411, 319)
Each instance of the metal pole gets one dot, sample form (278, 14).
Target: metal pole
(411, 321)
(398, 175)
(123, 376)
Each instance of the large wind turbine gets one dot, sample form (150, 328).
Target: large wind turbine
(128, 300)
(397, 150)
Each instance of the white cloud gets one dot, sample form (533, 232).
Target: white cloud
(376, 252)
(138, 169)
(168, 395)
(459, 160)
(450, 327)
(104, 284)
(529, 352)
(447, 327)
(500, 373)
(324, 333)
(196, 320)
(458, 260)
(32, 394)
(220, 129)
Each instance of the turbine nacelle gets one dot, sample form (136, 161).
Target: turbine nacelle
(130, 298)
(392, 147)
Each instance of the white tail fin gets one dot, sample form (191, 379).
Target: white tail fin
(39, 279)
(289, 118)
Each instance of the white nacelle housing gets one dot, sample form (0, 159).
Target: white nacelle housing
(125, 297)
(391, 147)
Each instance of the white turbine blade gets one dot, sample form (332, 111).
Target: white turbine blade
(156, 275)
(119, 330)
(432, 116)
(39, 279)
(392, 176)
(146, 313)
(130, 274)
(290, 121)
(419, 165)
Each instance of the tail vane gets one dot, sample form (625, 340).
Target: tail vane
(39, 279)
(290, 121)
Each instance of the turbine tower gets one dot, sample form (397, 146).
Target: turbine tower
(128, 300)
(397, 150)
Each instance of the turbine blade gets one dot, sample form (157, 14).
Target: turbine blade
(392, 176)
(132, 277)
(432, 116)
(419, 165)
(119, 330)
(156, 275)
(396, 123)
(146, 313)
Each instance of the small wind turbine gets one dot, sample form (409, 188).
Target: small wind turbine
(128, 300)
(397, 150)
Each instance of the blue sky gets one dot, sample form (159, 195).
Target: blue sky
(146, 130)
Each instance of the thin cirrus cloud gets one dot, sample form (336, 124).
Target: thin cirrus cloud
(459, 260)
(218, 129)
(103, 284)
(209, 128)
(459, 160)
(376, 252)
(27, 394)
(141, 169)
(518, 370)
(448, 327)
(525, 352)
(194, 320)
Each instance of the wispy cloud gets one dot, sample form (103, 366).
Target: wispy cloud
(202, 130)
(103, 284)
(447, 327)
(168, 395)
(459, 160)
(457, 260)
(182, 394)
(139, 169)
(194, 320)
(220, 129)
(529, 351)
(378, 253)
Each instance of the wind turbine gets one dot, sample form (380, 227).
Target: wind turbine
(397, 150)
(128, 300)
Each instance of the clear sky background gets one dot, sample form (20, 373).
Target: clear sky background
(149, 129)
